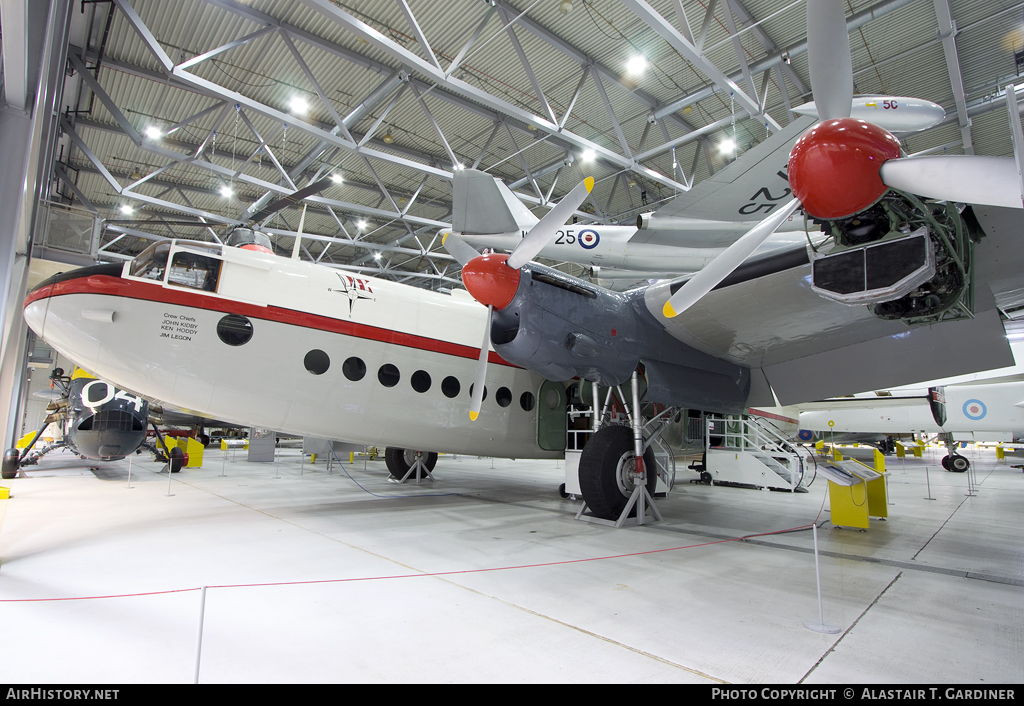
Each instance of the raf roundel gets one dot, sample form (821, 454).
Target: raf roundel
(589, 239)
(975, 409)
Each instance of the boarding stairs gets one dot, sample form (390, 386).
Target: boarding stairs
(748, 450)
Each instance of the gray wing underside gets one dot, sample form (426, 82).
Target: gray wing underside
(809, 348)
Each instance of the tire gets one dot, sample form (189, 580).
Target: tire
(399, 461)
(606, 458)
(177, 460)
(945, 462)
(958, 463)
(10, 464)
(561, 491)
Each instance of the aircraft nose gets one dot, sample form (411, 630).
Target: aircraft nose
(64, 283)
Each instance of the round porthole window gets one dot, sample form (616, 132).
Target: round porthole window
(450, 387)
(317, 362)
(388, 375)
(485, 392)
(526, 401)
(503, 397)
(234, 330)
(421, 381)
(354, 369)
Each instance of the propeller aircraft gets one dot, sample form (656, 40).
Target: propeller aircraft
(97, 421)
(199, 325)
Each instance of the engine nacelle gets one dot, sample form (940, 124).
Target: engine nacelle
(562, 328)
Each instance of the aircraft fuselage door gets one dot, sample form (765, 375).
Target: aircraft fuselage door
(551, 406)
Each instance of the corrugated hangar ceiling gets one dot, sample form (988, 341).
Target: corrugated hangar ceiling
(195, 110)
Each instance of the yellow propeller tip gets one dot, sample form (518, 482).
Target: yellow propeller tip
(589, 183)
(668, 311)
(473, 416)
(445, 236)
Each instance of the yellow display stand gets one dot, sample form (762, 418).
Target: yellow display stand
(853, 505)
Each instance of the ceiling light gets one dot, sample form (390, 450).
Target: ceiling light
(388, 138)
(565, 7)
(636, 64)
(337, 178)
(360, 224)
(136, 175)
(376, 254)
(727, 146)
(588, 156)
(153, 132)
(298, 105)
(126, 209)
(226, 192)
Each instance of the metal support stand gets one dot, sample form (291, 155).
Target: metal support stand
(929, 482)
(821, 625)
(417, 471)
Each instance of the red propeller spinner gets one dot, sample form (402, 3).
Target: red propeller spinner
(490, 280)
(833, 167)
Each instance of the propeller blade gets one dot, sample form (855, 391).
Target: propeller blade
(544, 232)
(481, 371)
(828, 56)
(991, 181)
(720, 268)
(458, 248)
(315, 188)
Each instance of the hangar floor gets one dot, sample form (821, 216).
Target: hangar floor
(485, 576)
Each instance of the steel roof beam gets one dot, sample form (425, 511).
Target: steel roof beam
(400, 53)
(678, 42)
(779, 57)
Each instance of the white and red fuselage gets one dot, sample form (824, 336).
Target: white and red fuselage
(325, 353)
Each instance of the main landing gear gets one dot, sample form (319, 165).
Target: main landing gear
(406, 464)
(618, 470)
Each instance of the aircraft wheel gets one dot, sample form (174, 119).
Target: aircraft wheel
(606, 470)
(10, 464)
(177, 460)
(399, 461)
(945, 462)
(561, 491)
(958, 463)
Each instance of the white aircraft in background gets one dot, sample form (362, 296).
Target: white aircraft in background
(248, 337)
(989, 412)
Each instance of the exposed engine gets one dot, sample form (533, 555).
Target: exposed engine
(905, 258)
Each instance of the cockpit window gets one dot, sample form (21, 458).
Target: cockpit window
(194, 270)
(152, 261)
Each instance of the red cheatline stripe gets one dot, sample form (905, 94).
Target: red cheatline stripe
(133, 289)
(412, 576)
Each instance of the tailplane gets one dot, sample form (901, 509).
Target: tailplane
(483, 205)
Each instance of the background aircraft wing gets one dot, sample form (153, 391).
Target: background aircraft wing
(808, 347)
(748, 189)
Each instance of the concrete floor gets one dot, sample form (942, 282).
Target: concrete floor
(485, 576)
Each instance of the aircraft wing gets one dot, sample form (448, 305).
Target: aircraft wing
(748, 189)
(808, 348)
